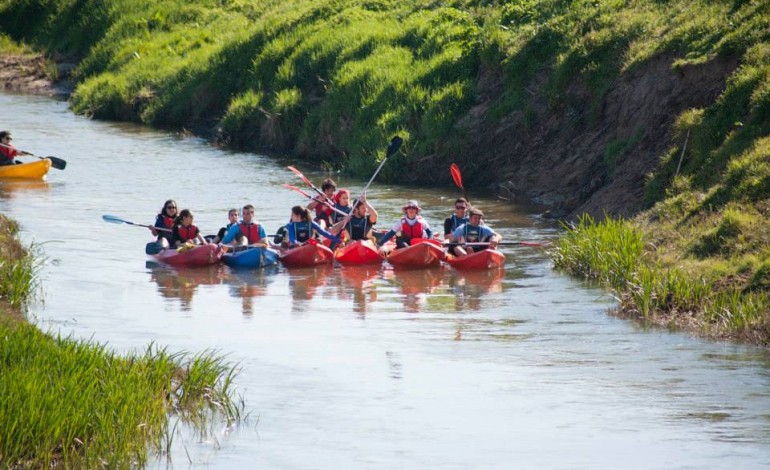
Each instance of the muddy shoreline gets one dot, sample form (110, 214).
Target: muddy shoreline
(37, 75)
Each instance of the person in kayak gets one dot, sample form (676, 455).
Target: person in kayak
(165, 220)
(232, 219)
(459, 217)
(322, 211)
(412, 225)
(474, 232)
(359, 224)
(185, 231)
(301, 229)
(342, 204)
(245, 232)
(7, 151)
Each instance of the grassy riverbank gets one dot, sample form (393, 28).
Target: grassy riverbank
(76, 404)
(656, 110)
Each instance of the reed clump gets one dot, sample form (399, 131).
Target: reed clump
(74, 404)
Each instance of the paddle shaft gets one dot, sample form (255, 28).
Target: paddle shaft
(57, 163)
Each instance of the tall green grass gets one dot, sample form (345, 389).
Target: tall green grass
(76, 404)
(613, 251)
(18, 266)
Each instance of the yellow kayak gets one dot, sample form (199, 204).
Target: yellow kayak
(32, 170)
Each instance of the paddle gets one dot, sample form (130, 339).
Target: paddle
(294, 188)
(304, 178)
(458, 179)
(57, 163)
(117, 220)
(500, 243)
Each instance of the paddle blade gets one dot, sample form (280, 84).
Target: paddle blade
(395, 144)
(299, 173)
(456, 175)
(58, 163)
(153, 248)
(114, 220)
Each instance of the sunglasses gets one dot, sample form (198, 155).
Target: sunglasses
(461, 207)
(170, 207)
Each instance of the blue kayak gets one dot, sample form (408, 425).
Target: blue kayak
(252, 257)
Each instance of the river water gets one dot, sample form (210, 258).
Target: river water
(353, 368)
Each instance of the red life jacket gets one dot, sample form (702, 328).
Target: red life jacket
(250, 231)
(187, 233)
(168, 222)
(412, 231)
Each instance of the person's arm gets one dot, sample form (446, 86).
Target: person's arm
(427, 230)
(291, 234)
(459, 234)
(494, 237)
(262, 235)
(372, 212)
(232, 232)
(448, 228)
(326, 234)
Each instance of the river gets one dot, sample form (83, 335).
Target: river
(374, 369)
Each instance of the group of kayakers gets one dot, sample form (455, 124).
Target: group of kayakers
(337, 219)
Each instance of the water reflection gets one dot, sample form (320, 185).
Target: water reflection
(470, 287)
(416, 285)
(182, 283)
(358, 283)
(304, 284)
(248, 284)
(10, 187)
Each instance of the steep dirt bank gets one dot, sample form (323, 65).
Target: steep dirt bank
(556, 156)
(560, 160)
(35, 74)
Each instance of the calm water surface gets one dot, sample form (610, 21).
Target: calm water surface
(355, 368)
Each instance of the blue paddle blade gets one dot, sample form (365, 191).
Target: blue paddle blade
(113, 220)
(153, 248)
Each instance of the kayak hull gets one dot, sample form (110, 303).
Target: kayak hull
(254, 257)
(484, 259)
(420, 255)
(200, 255)
(35, 170)
(359, 252)
(311, 254)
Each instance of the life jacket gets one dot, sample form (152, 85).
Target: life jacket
(412, 231)
(302, 231)
(250, 231)
(168, 222)
(187, 233)
(453, 222)
(323, 212)
(358, 227)
(336, 216)
(472, 234)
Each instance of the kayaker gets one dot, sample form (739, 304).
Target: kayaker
(412, 225)
(232, 219)
(165, 220)
(322, 211)
(458, 218)
(301, 229)
(358, 225)
(185, 231)
(245, 232)
(342, 204)
(7, 151)
(474, 232)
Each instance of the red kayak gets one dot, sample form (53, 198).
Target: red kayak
(424, 254)
(484, 259)
(199, 255)
(310, 254)
(357, 253)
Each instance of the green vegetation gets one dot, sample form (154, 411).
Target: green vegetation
(332, 80)
(75, 404)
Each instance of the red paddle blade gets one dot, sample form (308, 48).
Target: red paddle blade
(299, 173)
(456, 175)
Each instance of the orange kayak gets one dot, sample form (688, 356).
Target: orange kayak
(484, 259)
(423, 254)
(358, 252)
(200, 255)
(310, 254)
(35, 170)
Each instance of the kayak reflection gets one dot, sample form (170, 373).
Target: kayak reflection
(10, 188)
(304, 283)
(247, 284)
(181, 283)
(361, 279)
(416, 286)
(470, 287)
